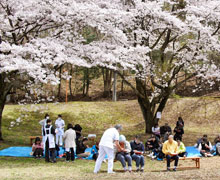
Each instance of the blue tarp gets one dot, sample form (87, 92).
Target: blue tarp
(25, 152)
(192, 151)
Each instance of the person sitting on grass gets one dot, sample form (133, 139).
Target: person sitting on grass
(69, 141)
(156, 130)
(137, 151)
(38, 148)
(165, 131)
(205, 147)
(217, 144)
(158, 153)
(124, 155)
(81, 147)
(170, 149)
(49, 133)
(181, 149)
(151, 145)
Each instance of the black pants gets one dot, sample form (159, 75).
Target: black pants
(178, 137)
(70, 155)
(176, 158)
(183, 154)
(48, 151)
(95, 156)
(38, 152)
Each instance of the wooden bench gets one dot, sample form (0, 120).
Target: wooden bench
(196, 159)
(32, 138)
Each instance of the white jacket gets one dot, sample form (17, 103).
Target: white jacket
(70, 138)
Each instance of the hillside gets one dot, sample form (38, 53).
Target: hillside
(201, 116)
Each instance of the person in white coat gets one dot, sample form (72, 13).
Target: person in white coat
(49, 133)
(60, 124)
(69, 142)
(106, 146)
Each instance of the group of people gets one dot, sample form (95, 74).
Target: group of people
(161, 144)
(116, 147)
(160, 135)
(53, 139)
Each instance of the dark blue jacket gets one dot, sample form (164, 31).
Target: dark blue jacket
(135, 146)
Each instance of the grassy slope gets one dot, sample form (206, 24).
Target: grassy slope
(200, 115)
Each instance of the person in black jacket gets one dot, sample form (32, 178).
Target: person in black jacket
(137, 151)
(178, 133)
(78, 130)
(81, 147)
(152, 143)
(180, 122)
(165, 131)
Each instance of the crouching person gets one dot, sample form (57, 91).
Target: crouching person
(38, 148)
(124, 154)
(137, 151)
(49, 133)
(170, 149)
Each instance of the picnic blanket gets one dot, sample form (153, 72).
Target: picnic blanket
(25, 152)
(192, 151)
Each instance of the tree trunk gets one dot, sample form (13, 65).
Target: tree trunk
(4, 91)
(70, 82)
(87, 82)
(122, 84)
(147, 115)
(114, 95)
(59, 86)
(107, 79)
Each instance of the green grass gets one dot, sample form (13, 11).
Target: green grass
(201, 116)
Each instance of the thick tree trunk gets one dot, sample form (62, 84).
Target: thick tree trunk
(4, 90)
(147, 114)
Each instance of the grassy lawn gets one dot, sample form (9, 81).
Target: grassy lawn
(200, 115)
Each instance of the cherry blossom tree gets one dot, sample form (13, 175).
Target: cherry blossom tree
(37, 37)
(164, 39)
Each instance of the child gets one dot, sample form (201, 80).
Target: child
(69, 141)
(60, 124)
(49, 133)
(38, 148)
